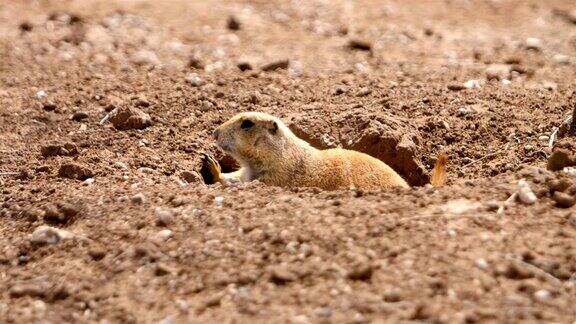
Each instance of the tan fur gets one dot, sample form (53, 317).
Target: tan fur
(438, 177)
(278, 157)
(269, 152)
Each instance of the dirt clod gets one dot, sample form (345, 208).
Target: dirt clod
(456, 86)
(75, 171)
(276, 65)
(67, 149)
(49, 106)
(79, 116)
(361, 272)
(232, 23)
(138, 199)
(97, 253)
(360, 45)
(559, 159)
(281, 275)
(125, 118)
(244, 66)
(564, 200)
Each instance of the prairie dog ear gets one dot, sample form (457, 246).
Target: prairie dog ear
(273, 127)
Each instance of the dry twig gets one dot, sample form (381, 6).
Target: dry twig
(507, 203)
(550, 278)
(9, 173)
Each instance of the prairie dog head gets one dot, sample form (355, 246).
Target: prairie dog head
(252, 137)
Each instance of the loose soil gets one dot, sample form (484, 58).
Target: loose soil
(106, 108)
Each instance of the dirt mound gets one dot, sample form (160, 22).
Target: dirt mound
(389, 139)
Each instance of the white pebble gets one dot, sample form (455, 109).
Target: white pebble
(145, 170)
(49, 235)
(533, 43)
(570, 170)
(83, 127)
(198, 212)
(481, 263)
(525, 193)
(163, 235)
(300, 319)
(218, 200)
(40, 94)
(120, 165)
(88, 182)
(544, 138)
(39, 306)
(506, 82)
(561, 59)
(472, 84)
(292, 247)
(194, 79)
(542, 295)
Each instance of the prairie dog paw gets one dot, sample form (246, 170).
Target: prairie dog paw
(210, 170)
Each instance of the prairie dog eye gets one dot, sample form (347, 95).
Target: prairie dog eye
(246, 124)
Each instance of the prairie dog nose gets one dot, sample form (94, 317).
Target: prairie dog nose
(216, 133)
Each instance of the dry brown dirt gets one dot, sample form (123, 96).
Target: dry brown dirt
(110, 222)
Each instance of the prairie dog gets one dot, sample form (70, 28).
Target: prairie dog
(268, 151)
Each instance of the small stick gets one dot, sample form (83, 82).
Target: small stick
(482, 158)
(506, 203)
(9, 173)
(553, 137)
(105, 119)
(534, 268)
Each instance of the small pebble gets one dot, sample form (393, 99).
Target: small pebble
(455, 87)
(569, 170)
(506, 82)
(359, 45)
(78, 116)
(244, 66)
(194, 79)
(544, 138)
(472, 84)
(563, 200)
(164, 217)
(292, 247)
(525, 193)
(40, 94)
(481, 263)
(233, 23)
(88, 182)
(120, 165)
(49, 235)
(138, 199)
(542, 295)
(533, 43)
(145, 170)
(392, 296)
(163, 235)
(218, 200)
(561, 59)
